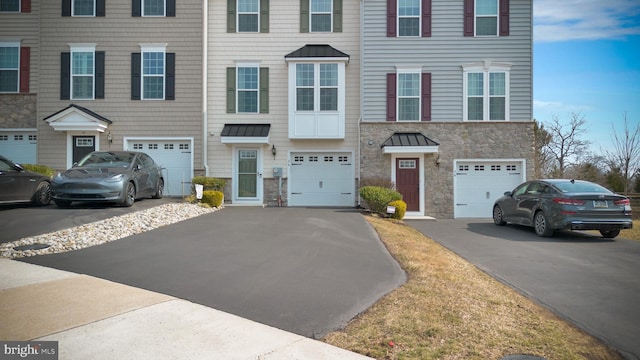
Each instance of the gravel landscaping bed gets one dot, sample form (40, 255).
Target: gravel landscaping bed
(103, 231)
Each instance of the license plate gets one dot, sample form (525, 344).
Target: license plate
(600, 204)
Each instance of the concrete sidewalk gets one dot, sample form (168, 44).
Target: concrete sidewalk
(92, 318)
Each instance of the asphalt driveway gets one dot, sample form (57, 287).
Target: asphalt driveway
(307, 271)
(590, 281)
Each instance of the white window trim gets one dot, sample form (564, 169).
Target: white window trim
(153, 48)
(408, 70)
(311, 13)
(13, 44)
(82, 47)
(73, 9)
(17, 11)
(476, 16)
(419, 16)
(241, 64)
(164, 12)
(238, 13)
(486, 68)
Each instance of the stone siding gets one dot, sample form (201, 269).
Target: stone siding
(460, 140)
(18, 111)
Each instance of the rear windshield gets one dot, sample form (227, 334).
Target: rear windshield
(107, 159)
(580, 187)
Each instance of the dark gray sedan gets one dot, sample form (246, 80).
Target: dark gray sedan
(20, 185)
(562, 204)
(109, 176)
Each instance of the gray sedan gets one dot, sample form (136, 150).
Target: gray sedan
(20, 185)
(562, 204)
(109, 176)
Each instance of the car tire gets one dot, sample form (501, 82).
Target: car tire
(62, 203)
(159, 189)
(42, 196)
(129, 195)
(541, 225)
(498, 216)
(610, 234)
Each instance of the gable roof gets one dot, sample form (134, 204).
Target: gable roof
(77, 118)
(317, 51)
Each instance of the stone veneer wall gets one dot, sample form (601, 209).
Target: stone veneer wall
(18, 111)
(460, 140)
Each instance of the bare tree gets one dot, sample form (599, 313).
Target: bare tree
(543, 163)
(566, 145)
(626, 153)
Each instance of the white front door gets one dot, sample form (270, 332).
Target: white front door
(247, 179)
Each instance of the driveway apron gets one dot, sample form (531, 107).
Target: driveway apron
(590, 281)
(307, 271)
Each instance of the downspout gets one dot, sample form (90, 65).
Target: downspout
(205, 83)
(361, 101)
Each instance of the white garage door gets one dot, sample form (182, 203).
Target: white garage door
(174, 156)
(19, 146)
(477, 185)
(321, 179)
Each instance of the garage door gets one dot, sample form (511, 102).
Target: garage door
(321, 179)
(174, 156)
(477, 185)
(19, 146)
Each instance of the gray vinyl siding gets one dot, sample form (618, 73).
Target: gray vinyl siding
(119, 35)
(442, 55)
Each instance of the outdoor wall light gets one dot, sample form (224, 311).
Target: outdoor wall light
(109, 138)
(274, 151)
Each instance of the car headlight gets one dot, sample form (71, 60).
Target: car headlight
(115, 178)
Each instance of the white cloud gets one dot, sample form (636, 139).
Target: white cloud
(548, 108)
(585, 19)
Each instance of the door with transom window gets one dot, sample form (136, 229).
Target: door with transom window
(248, 176)
(408, 182)
(82, 145)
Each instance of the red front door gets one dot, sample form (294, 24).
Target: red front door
(408, 182)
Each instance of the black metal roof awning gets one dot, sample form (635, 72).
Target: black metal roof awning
(316, 52)
(245, 133)
(409, 143)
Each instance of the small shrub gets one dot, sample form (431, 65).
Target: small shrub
(212, 198)
(378, 197)
(209, 183)
(40, 169)
(378, 181)
(401, 209)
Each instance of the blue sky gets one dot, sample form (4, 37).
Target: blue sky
(587, 60)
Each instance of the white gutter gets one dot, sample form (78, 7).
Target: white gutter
(205, 83)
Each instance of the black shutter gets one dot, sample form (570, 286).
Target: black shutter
(426, 97)
(504, 17)
(391, 96)
(136, 8)
(135, 75)
(65, 76)
(426, 18)
(99, 7)
(99, 82)
(170, 81)
(469, 18)
(171, 8)
(66, 7)
(392, 18)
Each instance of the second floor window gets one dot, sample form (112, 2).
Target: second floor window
(321, 14)
(153, 66)
(409, 17)
(9, 68)
(486, 93)
(316, 87)
(409, 97)
(248, 15)
(486, 17)
(247, 89)
(82, 74)
(153, 8)
(9, 5)
(83, 7)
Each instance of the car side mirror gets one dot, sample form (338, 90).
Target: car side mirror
(18, 167)
(508, 193)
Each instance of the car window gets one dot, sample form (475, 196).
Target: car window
(536, 188)
(5, 166)
(581, 187)
(520, 189)
(107, 159)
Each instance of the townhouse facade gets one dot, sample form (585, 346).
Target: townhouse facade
(447, 110)
(294, 103)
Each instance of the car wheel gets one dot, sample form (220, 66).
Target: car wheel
(610, 234)
(62, 203)
(129, 196)
(541, 225)
(497, 216)
(42, 195)
(159, 189)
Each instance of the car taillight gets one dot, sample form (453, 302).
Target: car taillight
(622, 202)
(563, 201)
